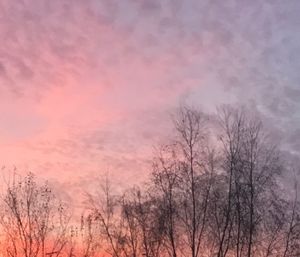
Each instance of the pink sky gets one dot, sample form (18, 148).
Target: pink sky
(86, 87)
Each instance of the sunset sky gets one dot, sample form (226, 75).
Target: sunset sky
(87, 86)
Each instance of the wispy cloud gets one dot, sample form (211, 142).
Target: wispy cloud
(87, 86)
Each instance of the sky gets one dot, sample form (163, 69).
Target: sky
(87, 86)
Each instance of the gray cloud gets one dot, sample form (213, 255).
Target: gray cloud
(206, 52)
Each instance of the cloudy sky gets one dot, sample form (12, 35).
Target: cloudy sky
(86, 86)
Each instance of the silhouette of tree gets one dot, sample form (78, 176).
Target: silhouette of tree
(215, 190)
(34, 221)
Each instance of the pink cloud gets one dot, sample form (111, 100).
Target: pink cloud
(87, 86)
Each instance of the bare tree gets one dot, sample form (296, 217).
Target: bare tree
(87, 237)
(183, 174)
(105, 211)
(165, 177)
(129, 225)
(144, 217)
(292, 235)
(252, 167)
(34, 221)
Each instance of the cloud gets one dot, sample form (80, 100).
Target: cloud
(88, 85)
